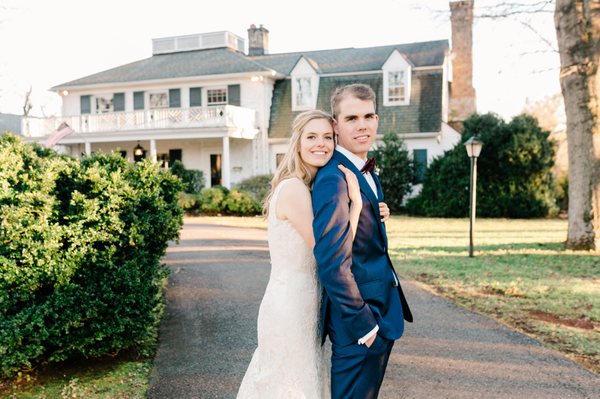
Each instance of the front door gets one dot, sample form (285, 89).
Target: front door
(215, 170)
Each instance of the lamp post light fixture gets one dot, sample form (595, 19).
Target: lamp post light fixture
(473, 147)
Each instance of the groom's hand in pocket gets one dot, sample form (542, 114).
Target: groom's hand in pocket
(370, 341)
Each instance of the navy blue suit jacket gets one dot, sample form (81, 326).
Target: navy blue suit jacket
(359, 288)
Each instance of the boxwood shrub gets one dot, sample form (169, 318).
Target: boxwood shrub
(80, 249)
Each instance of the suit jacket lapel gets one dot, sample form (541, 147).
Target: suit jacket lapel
(380, 196)
(365, 188)
(362, 182)
(378, 185)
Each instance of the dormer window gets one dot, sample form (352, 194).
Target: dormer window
(396, 92)
(396, 80)
(305, 85)
(303, 92)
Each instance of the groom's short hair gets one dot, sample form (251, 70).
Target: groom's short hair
(358, 90)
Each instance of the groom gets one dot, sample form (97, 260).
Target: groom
(363, 308)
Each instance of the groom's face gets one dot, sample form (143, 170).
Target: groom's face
(356, 125)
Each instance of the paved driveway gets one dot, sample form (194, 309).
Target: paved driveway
(208, 334)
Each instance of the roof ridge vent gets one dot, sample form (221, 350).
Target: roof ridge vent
(199, 41)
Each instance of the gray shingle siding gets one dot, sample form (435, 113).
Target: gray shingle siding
(422, 115)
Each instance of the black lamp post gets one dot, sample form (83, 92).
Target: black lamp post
(473, 146)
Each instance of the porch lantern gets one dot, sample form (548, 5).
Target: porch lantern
(138, 150)
(473, 147)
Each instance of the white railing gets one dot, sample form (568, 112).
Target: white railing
(166, 118)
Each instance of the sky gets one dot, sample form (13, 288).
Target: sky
(45, 43)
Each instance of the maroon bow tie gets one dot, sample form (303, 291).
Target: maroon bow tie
(369, 166)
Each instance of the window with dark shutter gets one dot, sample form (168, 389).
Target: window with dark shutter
(174, 98)
(195, 97)
(233, 95)
(85, 104)
(420, 162)
(138, 100)
(119, 102)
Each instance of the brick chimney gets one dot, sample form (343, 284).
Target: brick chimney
(462, 93)
(258, 40)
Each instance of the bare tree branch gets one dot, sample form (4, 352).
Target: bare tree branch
(27, 105)
(542, 38)
(506, 9)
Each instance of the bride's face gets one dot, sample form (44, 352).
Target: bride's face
(316, 143)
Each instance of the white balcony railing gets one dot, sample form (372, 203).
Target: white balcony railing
(166, 118)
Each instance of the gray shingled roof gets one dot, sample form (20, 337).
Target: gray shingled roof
(10, 123)
(359, 59)
(226, 61)
(175, 65)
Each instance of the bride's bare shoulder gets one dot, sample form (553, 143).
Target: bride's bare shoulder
(293, 184)
(293, 194)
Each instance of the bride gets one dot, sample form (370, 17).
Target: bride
(289, 362)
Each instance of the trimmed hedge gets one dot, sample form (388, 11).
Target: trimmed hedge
(258, 186)
(80, 249)
(220, 201)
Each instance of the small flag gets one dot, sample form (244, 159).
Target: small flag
(62, 131)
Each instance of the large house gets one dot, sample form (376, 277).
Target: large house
(204, 100)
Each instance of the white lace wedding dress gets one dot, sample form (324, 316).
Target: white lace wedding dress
(289, 362)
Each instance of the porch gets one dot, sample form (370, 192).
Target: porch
(221, 116)
(214, 129)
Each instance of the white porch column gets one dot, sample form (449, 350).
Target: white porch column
(225, 166)
(153, 150)
(88, 148)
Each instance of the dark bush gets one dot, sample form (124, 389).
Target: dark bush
(562, 193)
(258, 186)
(193, 180)
(80, 249)
(514, 173)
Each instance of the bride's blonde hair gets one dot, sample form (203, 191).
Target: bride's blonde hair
(292, 164)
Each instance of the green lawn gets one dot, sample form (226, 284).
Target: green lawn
(90, 379)
(520, 275)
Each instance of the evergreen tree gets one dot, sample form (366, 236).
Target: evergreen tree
(396, 170)
(514, 172)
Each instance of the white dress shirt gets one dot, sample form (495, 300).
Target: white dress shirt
(359, 163)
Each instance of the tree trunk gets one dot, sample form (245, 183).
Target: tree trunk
(578, 32)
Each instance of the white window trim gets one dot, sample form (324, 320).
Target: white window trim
(205, 95)
(107, 99)
(150, 93)
(386, 86)
(310, 103)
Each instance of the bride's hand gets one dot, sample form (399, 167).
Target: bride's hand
(353, 187)
(384, 211)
